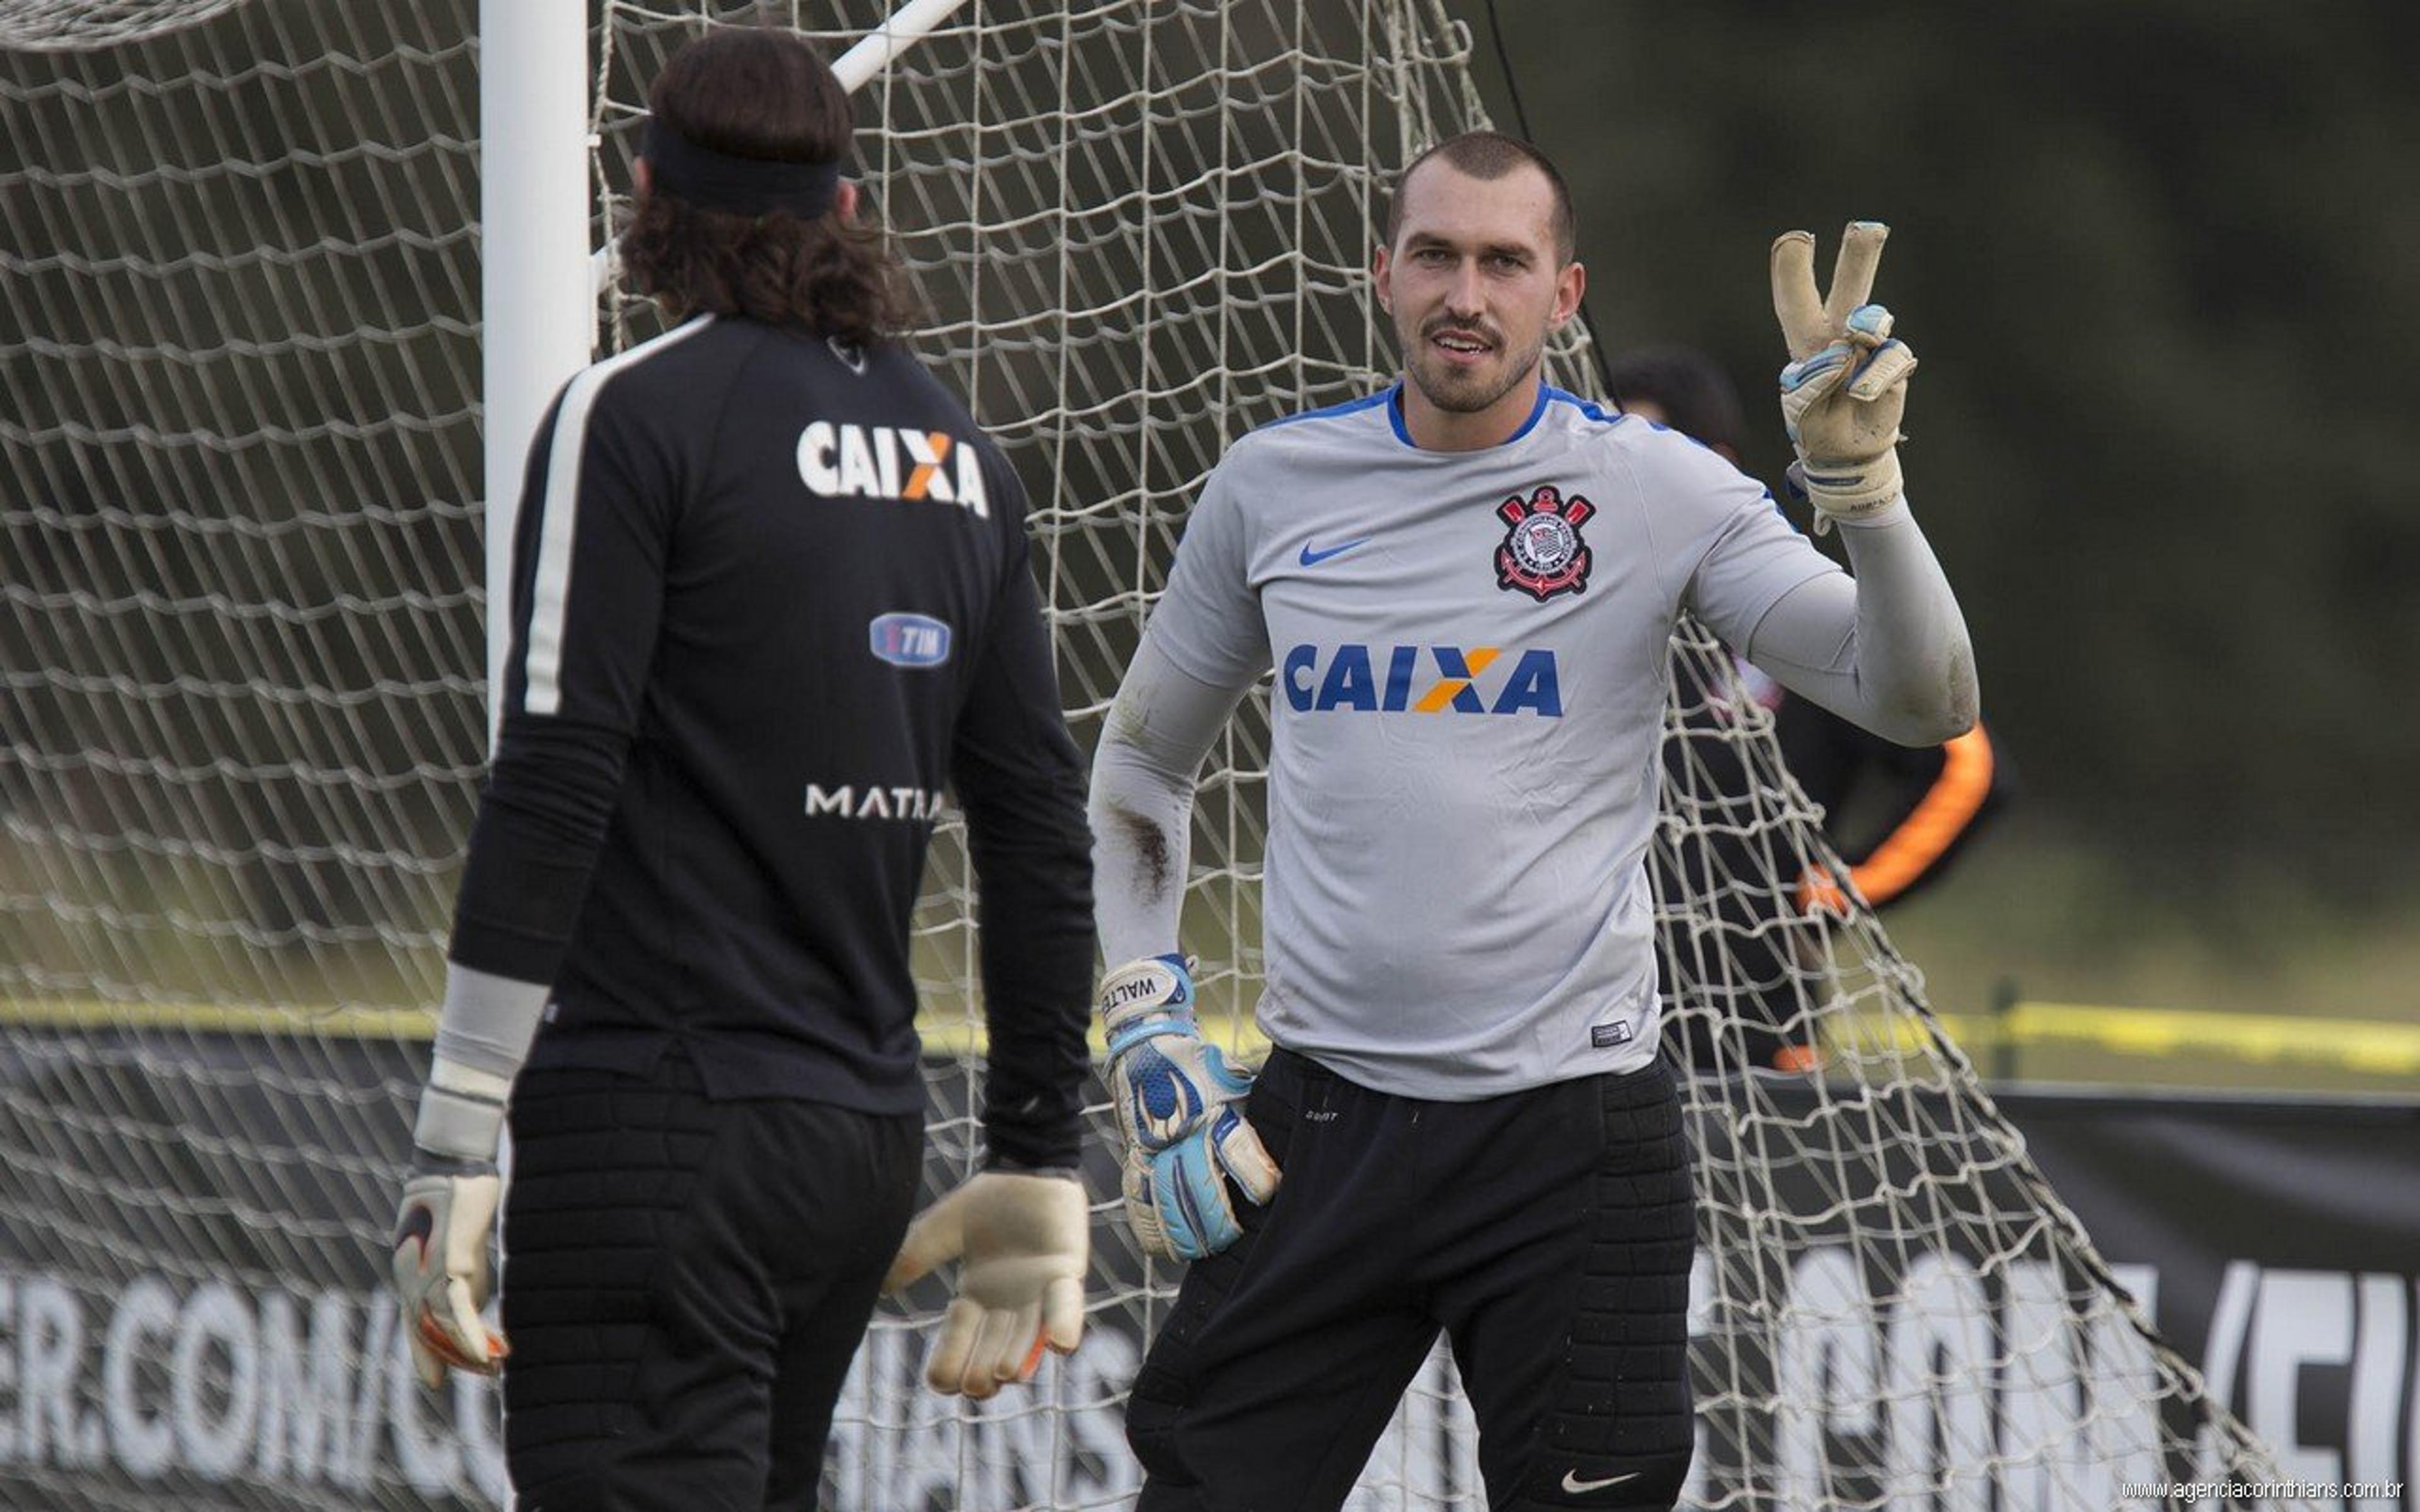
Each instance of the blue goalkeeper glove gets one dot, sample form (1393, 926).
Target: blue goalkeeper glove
(1175, 1100)
(1177, 1201)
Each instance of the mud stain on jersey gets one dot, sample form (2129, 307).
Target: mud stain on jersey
(1151, 848)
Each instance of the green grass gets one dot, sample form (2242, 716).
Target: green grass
(2029, 916)
(2055, 923)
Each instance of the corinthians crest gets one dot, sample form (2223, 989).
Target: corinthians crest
(1542, 553)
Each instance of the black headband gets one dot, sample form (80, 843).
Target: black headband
(714, 181)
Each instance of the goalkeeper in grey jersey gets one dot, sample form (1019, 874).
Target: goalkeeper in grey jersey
(1464, 585)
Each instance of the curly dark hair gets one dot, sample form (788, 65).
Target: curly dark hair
(762, 93)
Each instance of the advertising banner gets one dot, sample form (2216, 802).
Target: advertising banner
(197, 1318)
(2276, 1243)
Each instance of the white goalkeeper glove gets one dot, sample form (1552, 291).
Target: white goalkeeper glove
(1175, 1100)
(441, 1270)
(1022, 1245)
(1845, 388)
(439, 1263)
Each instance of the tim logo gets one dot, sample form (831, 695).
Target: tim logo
(1421, 680)
(1542, 553)
(908, 640)
(880, 462)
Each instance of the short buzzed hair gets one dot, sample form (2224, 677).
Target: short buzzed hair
(1491, 155)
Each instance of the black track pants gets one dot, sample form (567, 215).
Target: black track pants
(1548, 1233)
(684, 1284)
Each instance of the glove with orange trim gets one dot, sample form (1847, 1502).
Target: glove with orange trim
(441, 1270)
(439, 1263)
(1021, 1241)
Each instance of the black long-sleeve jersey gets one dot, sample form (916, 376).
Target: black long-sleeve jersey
(770, 596)
(1931, 800)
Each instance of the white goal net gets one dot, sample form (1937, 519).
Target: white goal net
(243, 719)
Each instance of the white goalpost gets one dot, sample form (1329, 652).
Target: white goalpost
(285, 286)
(538, 318)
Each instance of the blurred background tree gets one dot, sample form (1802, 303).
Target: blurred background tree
(2158, 258)
(2156, 255)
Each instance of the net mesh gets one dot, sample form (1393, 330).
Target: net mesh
(241, 649)
(241, 656)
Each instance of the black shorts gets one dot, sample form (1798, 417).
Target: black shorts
(684, 1284)
(1547, 1233)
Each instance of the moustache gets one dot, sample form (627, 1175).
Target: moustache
(1450, 329)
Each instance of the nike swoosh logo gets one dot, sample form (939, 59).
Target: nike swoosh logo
(1578, 1487)
(1313, 558)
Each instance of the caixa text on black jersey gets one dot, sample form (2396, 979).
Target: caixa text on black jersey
(845, 461)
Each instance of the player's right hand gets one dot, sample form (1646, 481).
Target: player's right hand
(1177, 1202)
(1021, 1242)
(1164, 1081)
(441, 1270)
(1175, 1099)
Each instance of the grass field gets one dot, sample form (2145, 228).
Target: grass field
(2025, 919)
(2028, 918)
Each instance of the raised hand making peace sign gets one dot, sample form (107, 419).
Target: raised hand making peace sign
(1845, 387)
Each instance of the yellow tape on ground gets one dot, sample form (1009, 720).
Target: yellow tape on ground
(945, 1032)
(96, 1015)
(956, 1035)
(2372, 1046)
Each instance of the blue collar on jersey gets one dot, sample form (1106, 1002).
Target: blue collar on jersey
(1546, 392)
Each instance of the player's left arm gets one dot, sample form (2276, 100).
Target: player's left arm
(1017, 1230)
(1883, 646)
(1890, 650)
(1886, 649)
(1020, 781)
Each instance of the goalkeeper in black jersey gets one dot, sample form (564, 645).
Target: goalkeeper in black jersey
(770, 596)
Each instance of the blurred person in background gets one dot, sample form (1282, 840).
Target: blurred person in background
(1897, 815)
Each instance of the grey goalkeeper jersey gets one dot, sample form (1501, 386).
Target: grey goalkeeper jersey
(1469, 650)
